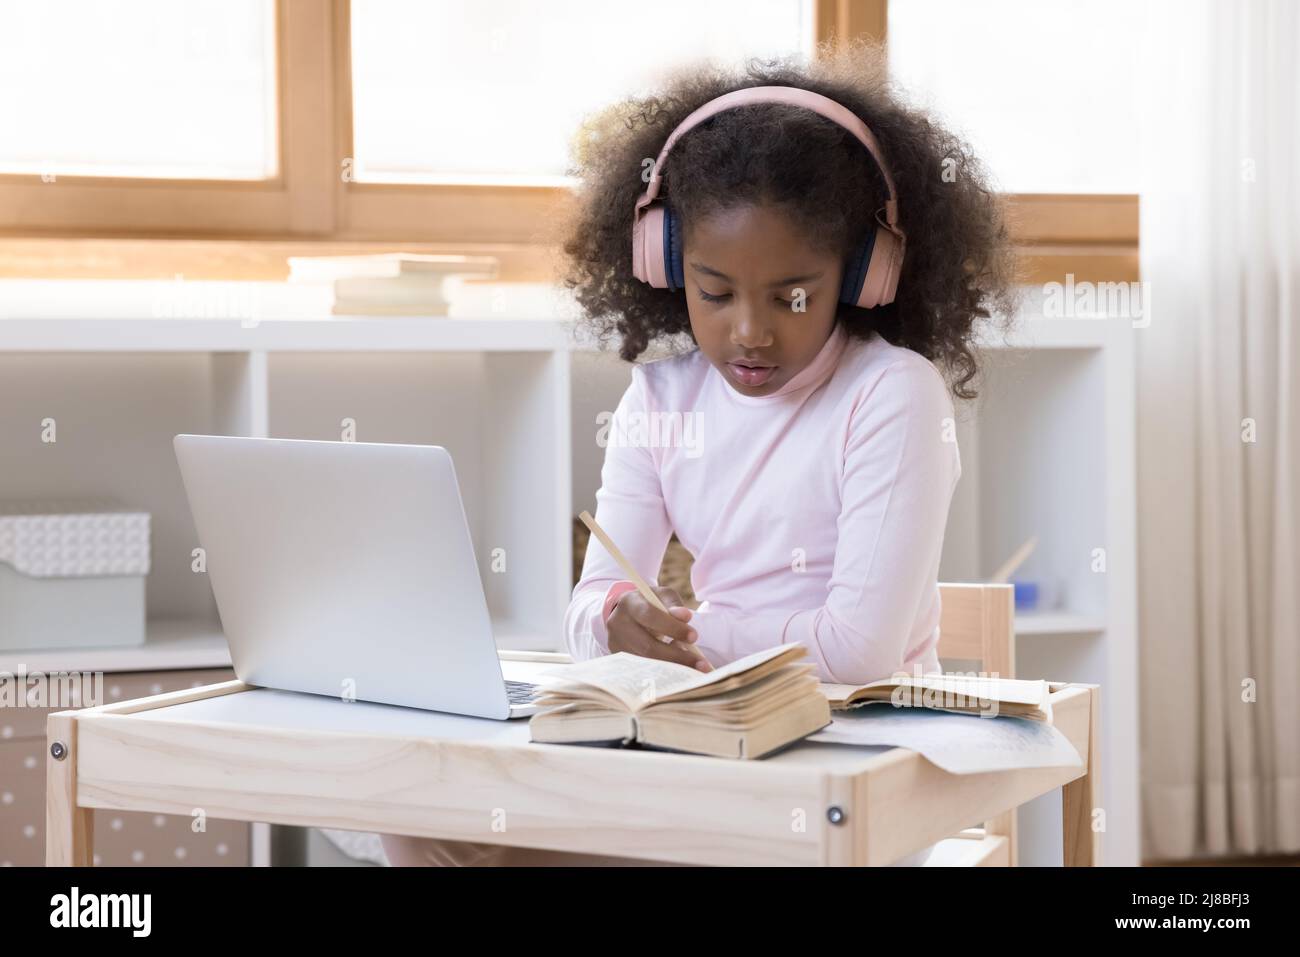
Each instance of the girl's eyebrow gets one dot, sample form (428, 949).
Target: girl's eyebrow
(709, 271)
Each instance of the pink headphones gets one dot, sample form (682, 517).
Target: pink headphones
(871, 273)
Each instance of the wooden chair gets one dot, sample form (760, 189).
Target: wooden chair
(978, 624)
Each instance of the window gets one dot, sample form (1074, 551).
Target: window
(1042, 89)
(445, 125)
(463, 91)
(143, 88)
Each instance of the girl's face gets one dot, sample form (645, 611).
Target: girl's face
(762, 301)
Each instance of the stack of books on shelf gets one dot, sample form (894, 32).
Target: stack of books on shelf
(389, 284)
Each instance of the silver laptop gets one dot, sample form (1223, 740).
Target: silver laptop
(346, 569)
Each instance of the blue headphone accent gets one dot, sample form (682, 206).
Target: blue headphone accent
(674, 268)
(855, 269)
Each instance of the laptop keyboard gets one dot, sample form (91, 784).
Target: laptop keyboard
(521, 692)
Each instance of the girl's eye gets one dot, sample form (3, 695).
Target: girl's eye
(707, 297)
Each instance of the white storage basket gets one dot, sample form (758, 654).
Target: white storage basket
(72, 575)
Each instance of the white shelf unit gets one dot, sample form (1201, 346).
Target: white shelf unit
(495, 392)
(1047, 450)
(178, 644)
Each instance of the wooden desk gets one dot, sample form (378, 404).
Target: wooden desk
(254, 754)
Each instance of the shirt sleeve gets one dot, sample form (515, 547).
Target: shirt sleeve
(900, 466)
(630, 508)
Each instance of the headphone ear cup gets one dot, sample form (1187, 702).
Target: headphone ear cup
(674, 269)
(648, 246)
(880, 278)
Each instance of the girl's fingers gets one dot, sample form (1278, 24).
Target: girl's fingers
(681, 654)
(661, 623)
(669, 596)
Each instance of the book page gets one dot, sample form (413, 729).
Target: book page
(638, 682)
(958, 743)
(957, 686)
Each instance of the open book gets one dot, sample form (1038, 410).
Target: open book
(960, 694)
(744, 709)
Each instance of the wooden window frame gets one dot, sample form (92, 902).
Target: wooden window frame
(288, 203)
(1092, 236)
(313, 205)
(434, 213)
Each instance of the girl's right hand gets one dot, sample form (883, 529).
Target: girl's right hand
(635, 625)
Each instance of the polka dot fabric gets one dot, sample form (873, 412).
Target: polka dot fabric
(122, 839)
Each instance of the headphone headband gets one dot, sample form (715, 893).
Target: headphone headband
(792, 96)
(871, 276)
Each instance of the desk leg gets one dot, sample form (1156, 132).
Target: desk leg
(1080, 797)
(1004, 825)
(69, 830)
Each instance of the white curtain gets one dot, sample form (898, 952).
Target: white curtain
(1219, 429)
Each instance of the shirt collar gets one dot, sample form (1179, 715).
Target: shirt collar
(810, 376)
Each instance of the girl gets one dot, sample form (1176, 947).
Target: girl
(828, 256)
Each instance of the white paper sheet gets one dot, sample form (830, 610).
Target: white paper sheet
(958, 743)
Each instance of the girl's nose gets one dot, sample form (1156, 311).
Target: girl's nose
(748, 332)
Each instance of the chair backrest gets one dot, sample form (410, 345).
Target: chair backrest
(977, 623)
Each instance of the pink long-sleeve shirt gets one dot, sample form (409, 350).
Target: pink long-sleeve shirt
(815, 514)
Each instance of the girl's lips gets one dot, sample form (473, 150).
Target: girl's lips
(751, 375)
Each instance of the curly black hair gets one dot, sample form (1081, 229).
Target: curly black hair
(959, 266)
